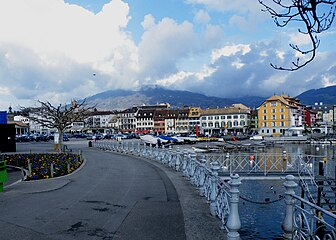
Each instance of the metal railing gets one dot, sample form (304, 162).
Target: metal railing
(303, 219)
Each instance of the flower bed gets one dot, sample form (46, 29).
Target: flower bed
(40, 163)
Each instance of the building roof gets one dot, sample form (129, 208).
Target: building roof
(224, 111)
(286, 100)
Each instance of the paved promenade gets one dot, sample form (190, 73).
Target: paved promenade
(111, 197)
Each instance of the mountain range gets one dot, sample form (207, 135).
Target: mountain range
(150, 95)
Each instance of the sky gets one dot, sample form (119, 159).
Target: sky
(58, 50)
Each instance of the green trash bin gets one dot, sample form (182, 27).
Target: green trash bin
(3, 174)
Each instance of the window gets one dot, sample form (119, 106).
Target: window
(282, 116)
(229, 117)
(222, 117)
(242, 123)
(273, 104)
(273, 110)
(264, 117)
(216, 117)
(235, 123)
(264, 124)
(203, 118)
(282, 110)
(242, 116)
(273, 117)
(273, 124)
(235, 116)
(210, 118)
(264, 111)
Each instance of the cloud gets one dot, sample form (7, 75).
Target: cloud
(201, 17)
(162, 45)
(243, 70)
(50, 46)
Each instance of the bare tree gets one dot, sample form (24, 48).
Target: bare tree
(60, 117)
(316, 16)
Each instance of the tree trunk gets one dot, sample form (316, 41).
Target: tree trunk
(60, 141)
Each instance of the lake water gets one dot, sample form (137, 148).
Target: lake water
(263, 221)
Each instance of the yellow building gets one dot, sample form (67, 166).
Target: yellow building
(279, 113)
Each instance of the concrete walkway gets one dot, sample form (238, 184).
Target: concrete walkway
(111, 197)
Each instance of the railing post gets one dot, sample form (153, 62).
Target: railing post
(287, 225)
(144, 150)
(132, 147)
(178, 160)
(202, 176)
(213, 194)
(170, 156)
(138, 151)
(185, 163)
(233, 223)
(192, 164)
(156, 151)
(284, 160)
(150, 151)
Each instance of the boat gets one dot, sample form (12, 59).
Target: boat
(205, 149)
(149, 139)
(167, 139)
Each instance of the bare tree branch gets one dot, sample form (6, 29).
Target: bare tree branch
(316, 17)
(60, 117)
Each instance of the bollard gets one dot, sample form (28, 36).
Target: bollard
(213, 194)
(233, 223)
(287, 225)
(51, 170)
(29, 169)
(68, 168)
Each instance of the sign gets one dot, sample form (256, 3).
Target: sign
(3, 117)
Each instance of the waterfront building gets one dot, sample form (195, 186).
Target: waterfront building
(279, 113)
(194, 119)
(324, 117)
(182, 121)
(230, 120)
(145, 121)
(254, 121)
(125, 120)
(170, 121)
(97, 121)
(159, 121)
